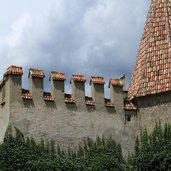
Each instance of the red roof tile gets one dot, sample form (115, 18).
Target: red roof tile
(97, 80)
(128, 105)
(69, 98)
(89, 101)
(48, 97)
(116, 82)
(57, 76)
(14, 70)
(79, 78)
(36, 73)
(152, 72)
(26, 94)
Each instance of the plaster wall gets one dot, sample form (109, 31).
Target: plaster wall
(4, 108)
(65, 123)
(154, 108)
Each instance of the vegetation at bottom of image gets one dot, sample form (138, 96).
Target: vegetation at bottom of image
(152, 150)
(20, 153)
(152, 153)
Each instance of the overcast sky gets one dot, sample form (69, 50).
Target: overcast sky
(91, 37)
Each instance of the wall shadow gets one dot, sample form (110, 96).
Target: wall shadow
(91, 108)
(71, 107)
(28, 103)
(50, 104)
(111, 110)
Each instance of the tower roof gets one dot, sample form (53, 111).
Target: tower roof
(152, 73)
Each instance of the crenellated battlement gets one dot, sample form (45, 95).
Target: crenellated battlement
(57, 94)
(57, 115)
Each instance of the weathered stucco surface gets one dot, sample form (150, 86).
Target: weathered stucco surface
(66, 123)
(154, 108)
(4, 109)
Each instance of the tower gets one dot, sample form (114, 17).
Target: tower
(152, 73)
(150, 86)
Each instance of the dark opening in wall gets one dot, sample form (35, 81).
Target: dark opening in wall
(128, 118)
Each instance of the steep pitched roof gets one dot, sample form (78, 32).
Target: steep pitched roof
(152, 73)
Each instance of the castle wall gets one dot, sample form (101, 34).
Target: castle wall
(4, 107)
(66, 119)
(153, 108)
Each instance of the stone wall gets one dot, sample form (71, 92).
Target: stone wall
(154, 108)
(66, 119)
(4, 107)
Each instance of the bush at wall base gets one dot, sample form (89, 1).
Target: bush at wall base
(152, 153)
(152, 150)
(18, 153)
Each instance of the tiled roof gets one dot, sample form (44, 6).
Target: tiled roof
(152, 73)
(89, 101)
(36, 73)
(108, 103)
(128, 105)
(69, 98)
(97, 80)
(80, 78)
(57, 76)
(116, 82)
(15, 70)
(48, 97)
(26, 94)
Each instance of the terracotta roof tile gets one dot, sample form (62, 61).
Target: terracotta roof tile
(48, 97)
(128, 105)
(108, 103)
(36, 73)
(80, 78)
(89, 101)
(26, 94)
(57, 76)
(15, 70)
(117, 82)
(97, 80)
(69, 98)
(152, 72)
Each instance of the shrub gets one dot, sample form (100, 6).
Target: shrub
(153, 151)
(19, 153)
